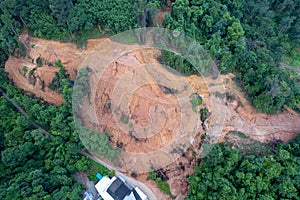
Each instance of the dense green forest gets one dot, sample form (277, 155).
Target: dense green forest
(228, 174)
(249, 38)
(69, 20)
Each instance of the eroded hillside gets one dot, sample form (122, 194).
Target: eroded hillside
(237, 113)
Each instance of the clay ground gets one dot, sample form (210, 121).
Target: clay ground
(240, 116)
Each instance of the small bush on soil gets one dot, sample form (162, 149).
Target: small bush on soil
(124, 118)
(152, 175)
(24, 70)
(240, 134)
(162, 185)
(195, 100)
(203, 114)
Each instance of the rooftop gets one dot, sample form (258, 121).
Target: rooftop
(117, 189)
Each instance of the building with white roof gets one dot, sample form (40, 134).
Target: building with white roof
(117, 189)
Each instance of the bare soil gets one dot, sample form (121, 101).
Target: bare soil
(243, 117)
(41, 56)
(238, 113)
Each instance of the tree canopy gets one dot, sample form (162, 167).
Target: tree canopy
(228, 174)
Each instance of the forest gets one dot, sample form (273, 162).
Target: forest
(227, 173)
(249, 38)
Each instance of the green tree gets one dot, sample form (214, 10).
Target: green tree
(15, 156)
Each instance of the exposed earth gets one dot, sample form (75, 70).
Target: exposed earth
(237, 113)
(40, 56)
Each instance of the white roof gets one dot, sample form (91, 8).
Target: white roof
(141, 193)
(130, 197)
(103, 185)
(106, 196)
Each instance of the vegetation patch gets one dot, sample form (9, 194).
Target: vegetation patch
(127, 37)
(240, 134)
(95, 168)
(24, 70)
(293, 58)
(124, 118)
(161, 184)
(203, 114)
(60, 77)
(196, 101)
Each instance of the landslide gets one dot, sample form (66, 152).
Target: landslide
(238, 113)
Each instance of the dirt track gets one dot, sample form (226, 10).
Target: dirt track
(240, 116)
